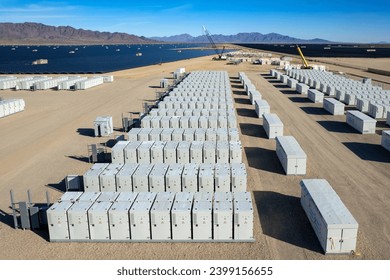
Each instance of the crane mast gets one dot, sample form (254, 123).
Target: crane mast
(213, 45)
(305, 64)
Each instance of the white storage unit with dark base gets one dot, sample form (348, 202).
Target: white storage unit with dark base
(57, 220)
(170, 154)
(291, 155)
(160, 215)
(223, 220)
(315, 95)
(78, 220)
(141, 178)
(385, 142)
(202, 227)
(243, 220)
(334, 225)
(118, 216)
(189, 177)
(157, 177)
(91, 177)
(239, 177)
(140, 220)
(183, 152)
(272, 125)
(302, 88)
(181, 220)
(334, 106)
(124, 178)
(98, 221)
(261, 107)
(131, 152)
(361, 122)
(222, 177)
(118, 153)
(206, 177)
(108, 177)
(173, 177)
(103, 126)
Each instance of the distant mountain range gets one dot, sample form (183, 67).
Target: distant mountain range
(253, 37)
(37, 33)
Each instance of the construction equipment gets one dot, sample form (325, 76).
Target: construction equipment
(220, 56)
(304, 61)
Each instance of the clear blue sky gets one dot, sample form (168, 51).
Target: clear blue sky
(343, 20)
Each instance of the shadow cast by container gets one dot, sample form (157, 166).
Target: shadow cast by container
(86, 132)
(251, 129)
(283, 218)
(251, 113)
(300, 99)
(369, 152)
(263, 159)
(336, 126)
(243, 101)
(314, 111)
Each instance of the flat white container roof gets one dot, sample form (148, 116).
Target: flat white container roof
(361, 116)
(108, 196)
(141, 206)
(146, 196)
(127, 196)
(60, 206)
(182, 206)
(272, 119)
(120, 145)
(162, 206)
(128, 168)
(202, 205)
(89, 196)
(243, 206)
(96, 169)
(329, 204)
(223, 206)
(291, 147)
(112, 169)
(121, 206)
(242, 196)
(165, 196)
(223, 196)
(70, 196)
(81, 206)
(100, 206)
(203, 196)
(184, 196)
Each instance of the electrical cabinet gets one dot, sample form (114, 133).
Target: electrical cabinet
(209, 152)
(181, 220)
(188, 134)
(140, 220)
(177, 134)
(243, 220)
(173, 177)
(157, 152)
(155, 134)
(202, 220)
(108, 177)
(157, 177)
(239, 177)
(160, 215)
(206, 177)
(183, 152)
(196, 153)
(143, 152)
(141, 176)
(98, 220)
(131, 152)
(222, 177)
(235, 152)
(78, 220)
(190, 177)
(170, 152)
(57, 220)
(91, 177)
(222, 152)
(124, 178)
(117, 152)
(223, 220)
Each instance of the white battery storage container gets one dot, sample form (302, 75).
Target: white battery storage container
(239, 177)
(165, 122)
(222, 134)
(189, 134)
(98, 220)
(235, 152)
(200, 134)
(334, 225)
(223, 220)
(157, 152)
(141, 178)
(143, 152)
(183, 152)
(334, 106)
(213, 122)
(119, 220)
(203, 122)
(291, 155)
(174, 121)
(177, 134)
(155, 134)
(211, 134)
(189, 177)
(160, 215)
(78, 220)
(108, 177)
(140, 220)
(155, 121)
(302, 88)
(143, 134)
(132, 135)
(222, 177)
(170, 152)
(206, 177)
(57, 220)
(243, 220)
(361, 122)
(292, 83)
(118, 153)
(272, 125)
(166, 134)
(181, 220)
(261, 107)
(385, 141)
(131, 152)
(315, 96)
(173, 177)
(91, 177)
(157, 177)
(209, 152)
(202, 220)
(184, 122)
(233, 134)
(222, 152)
(124, 178)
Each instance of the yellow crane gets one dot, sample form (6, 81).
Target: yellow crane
(305, 64)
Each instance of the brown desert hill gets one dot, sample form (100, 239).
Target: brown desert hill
(37, 33)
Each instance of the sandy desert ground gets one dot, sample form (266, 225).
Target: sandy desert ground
(47, 141)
